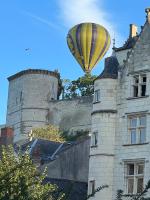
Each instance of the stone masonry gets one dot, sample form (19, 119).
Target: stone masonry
(121, 156)
(118, 118)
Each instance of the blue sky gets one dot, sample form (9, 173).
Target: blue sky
(42, 26)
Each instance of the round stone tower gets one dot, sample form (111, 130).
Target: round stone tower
(29, 94)
(103, 130)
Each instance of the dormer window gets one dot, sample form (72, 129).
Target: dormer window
(139, 85)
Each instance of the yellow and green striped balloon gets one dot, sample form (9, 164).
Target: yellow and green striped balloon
(88, 42)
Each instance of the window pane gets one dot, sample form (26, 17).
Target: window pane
(92, 187)
(130, 169)
(136, 79)
(143, 90)
(135, 91)
(133, 122)
(130, 185)
(133, 136)
(143, 121)
(94, 139)
(97, 95)
(140, 169)
(144, 79)
(139, 185)
(142, 135)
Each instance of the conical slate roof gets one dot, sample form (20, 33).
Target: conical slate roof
(110, 69)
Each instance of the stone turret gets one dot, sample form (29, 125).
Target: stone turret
(29, 94)
(103, 129)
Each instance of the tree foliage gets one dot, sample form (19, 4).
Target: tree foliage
(20, 180)
(49, 132)
(53, 133)
(97, 190)
(78, 135)
(83, 86)
(138, 196)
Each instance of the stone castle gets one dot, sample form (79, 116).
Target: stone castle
(117, 117)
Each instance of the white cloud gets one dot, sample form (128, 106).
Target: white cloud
(73, 12)
(41, 20)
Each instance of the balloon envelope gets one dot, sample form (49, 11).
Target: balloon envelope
(88, 42)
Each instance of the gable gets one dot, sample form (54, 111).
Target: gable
(139, 58)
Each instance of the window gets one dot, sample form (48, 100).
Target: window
(91, 186)
(21, 96)
(139, 86)
(96, 96)
(134, 176)
(94, 139)
(137, 129)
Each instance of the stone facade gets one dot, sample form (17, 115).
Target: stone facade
(118, 118)
(32, 102)
(71, 115)
(121, 156)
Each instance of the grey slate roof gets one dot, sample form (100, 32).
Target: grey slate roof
(128, 44)
(110, 69)
(75, 190)
(44, 149)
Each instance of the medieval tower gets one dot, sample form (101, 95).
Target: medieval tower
(28, 97)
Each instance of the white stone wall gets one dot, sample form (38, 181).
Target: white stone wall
(104, 121)
(138, 63)
(121, 56)
(108, 89)
(111, 170)
(28, 100)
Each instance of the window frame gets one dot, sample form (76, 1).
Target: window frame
(135, 176)
(138, 129)
(137, 85)
(94, 139)
(92, 186)
(96, 96)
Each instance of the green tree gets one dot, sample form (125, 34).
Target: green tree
(53, 133)
(49, 132)
(139, 196)
(83, 86)
(20, 180)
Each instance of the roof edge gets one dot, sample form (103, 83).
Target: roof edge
(34, 71)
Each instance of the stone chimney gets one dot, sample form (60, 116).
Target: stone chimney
(147, 10)
(133, 30)
(6, 137)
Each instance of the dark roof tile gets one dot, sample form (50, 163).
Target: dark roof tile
(128, 44)
(110, 69)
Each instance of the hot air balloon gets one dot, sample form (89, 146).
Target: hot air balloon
(88, 42)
